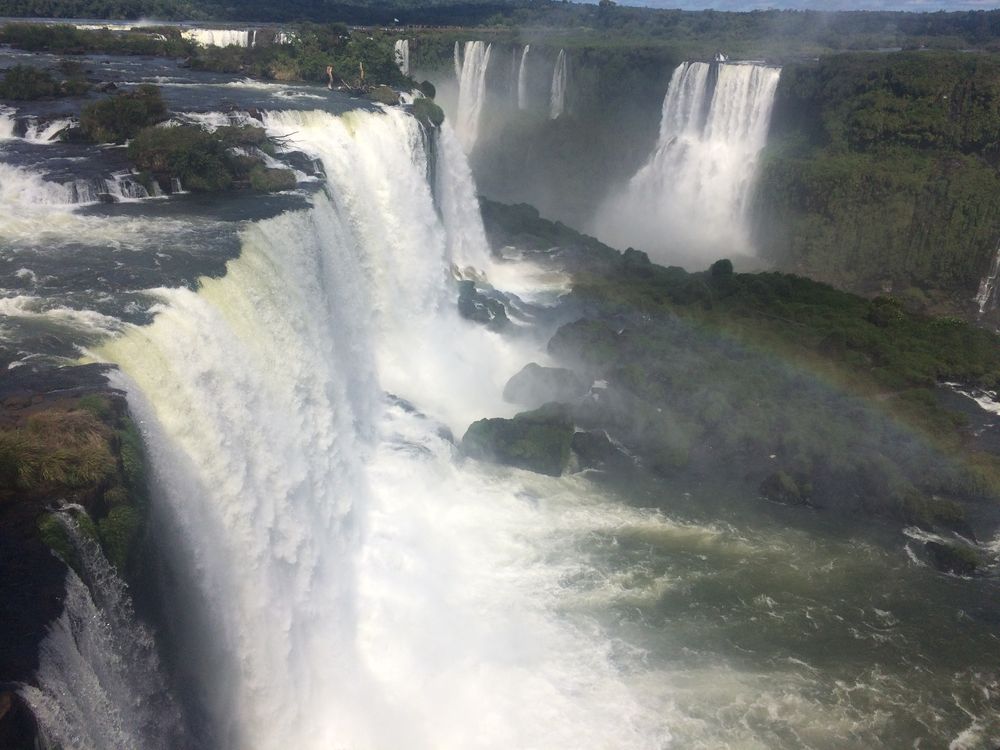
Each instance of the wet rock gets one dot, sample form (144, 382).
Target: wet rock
(959, 559)
(782, 488)
(479, 307)
(535, 385)
(594, 450)
(538, 440)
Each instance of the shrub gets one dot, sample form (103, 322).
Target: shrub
(120, 117)
(268, 180)
(23, 82)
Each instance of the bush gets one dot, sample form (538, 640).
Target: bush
(120, 117)
(23, 82)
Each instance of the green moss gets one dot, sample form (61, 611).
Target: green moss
(119, 531)
(54, 534)
(97, 405)
(538, 440)
(133, 461)
(428, 112)
(268, 180)
(384, 95)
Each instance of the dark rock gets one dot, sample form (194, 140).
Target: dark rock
(538, 440)
(535, 385)
(953, 558)
(782, 488)
(596, 451)
(475, 305)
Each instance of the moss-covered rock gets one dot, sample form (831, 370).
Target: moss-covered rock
(428, 112)
(538, 440)
(272, 180)
(535, 385)
(959, 559)
(594, 450)
(384, 95)
(118, 532)
(781, 487)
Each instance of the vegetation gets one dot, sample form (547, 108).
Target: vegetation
(881, 170)
(68, 40)
(537, 440)
(207, 161)
(811, 394)
(117, 118)
(25, 82)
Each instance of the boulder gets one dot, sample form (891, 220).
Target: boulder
(594, 450)
(480, 307)
(953, 558)
(782, 488)
(537, 441)
(535, 385)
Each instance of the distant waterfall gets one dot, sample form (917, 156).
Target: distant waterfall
(689, 200)
(557, 99)
(401, 53)
(986, 297)
(221, 37)
(522, 79)
(470, 70)
(99, 683)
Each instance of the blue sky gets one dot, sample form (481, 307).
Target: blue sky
(911, 5)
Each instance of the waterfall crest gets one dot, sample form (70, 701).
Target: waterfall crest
(690, 199)
(557, 96)
(471, 64)
(345, 563)
(221, 37)
(522, 79)
(401, 53)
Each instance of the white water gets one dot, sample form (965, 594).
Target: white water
(364, 589)
(221, 37)
(6, 123)
(470, 71)
(401, 52)
(986, 296)
(689, 201)
(47, 132)
(522, 79)
(557, 96)
(99, 682)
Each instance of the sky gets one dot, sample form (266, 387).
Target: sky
(911, 5)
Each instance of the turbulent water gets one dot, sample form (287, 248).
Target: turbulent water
(557, 96)
(222, 37)
(689, 201)
(340, 577)
(471, 63)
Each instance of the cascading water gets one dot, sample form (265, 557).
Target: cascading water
(522, 79)
(99, 682)
(470, 70)
(986, 296)
(401, 54)
(689, 201)
(30, 191)
(221, 37)
(557, 97)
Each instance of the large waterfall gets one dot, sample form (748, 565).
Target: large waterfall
(557, 96)
(471, 63)
(222, 37)
(689, 200)
(345, 567)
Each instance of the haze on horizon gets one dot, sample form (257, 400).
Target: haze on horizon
(917, 6)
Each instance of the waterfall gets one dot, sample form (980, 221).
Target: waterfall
(522, 79)
(346, 567)
(470, 70)
(47, 132)
(28, 190)
(401, 53)
(557, 98)
(986, 297)
(99, 682)
(221, 37)
(690, 199)
(6, 123)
